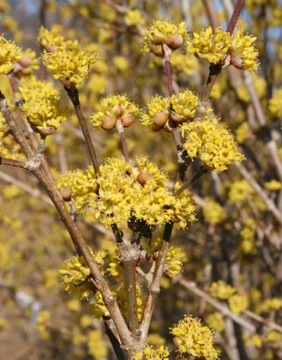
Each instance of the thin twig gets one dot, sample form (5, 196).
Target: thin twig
(74, 97)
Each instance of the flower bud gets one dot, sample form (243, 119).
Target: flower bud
(118, 110)
(158, 38)
(176, 117)
(44, 131)
(174, 41)
(236, 61)
(127, 120)
(66, 194)
(142, 178)
(157, 50)
(161, 118)
(109, 123)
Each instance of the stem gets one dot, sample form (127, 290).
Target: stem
(202, 170)
(168, 68)
(129, 267)
(74, 97)
(124, 147)
(235, 16)
(154, 288)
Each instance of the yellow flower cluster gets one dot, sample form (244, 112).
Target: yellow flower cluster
(180, 107)
(209, 46)
(244, 55)
(41, 324)
(45, 112)
(273, 185)
(221, 47)
(275, 107)
(194, 339)
(162, 32)
(216, 321)
(113, 108)
(221, 290)
(9, 54)
(270, 305)
(82, 185)
(76, 274)
(50, 39)
(134, 18)
(213, 212)
(212, 143)
(9, 147)
(175, 258)
(32, 88)
(247, 233)
(96, 346)
(68, 62)
(152, 353)
(238, 303)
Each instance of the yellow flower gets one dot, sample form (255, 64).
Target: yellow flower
(221, 290)
(214, 213)
(194, 339)
(27, 64)
(96, 345)
(41, 324)
(212, 143)
(76, 274)
(9, 54)
(216, 321)
(134, 18)
(69, 63)
(244, 55)
(209, 46)
(113, 108)
(32, 88)
(45, 112)
(50, 39)
(152, 353)
(162, 32)
(238, 303)
(275, 107)
(175, 258)
(158, 112)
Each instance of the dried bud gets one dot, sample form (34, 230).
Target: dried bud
(174, 41)
(127, 120)
(109, 123)
(142, 178)
(161, 118)
(66, 194)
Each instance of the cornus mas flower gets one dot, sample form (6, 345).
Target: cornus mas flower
(243, 54)
(209, 46)
(69, 63)
(76, 274)
(113, 108)
(50, 39)
(32, 88)
(9, 54)
(223, 48)
(162, 32)
(152, 353)
(180, 107)
(194, 339)
(212, 143)
(44, 112)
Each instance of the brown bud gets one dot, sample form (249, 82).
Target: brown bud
(236, 61)
(157, 50)
(67, 83)
(44, 131)
(176, 117)
(142, 178)
(174, 41)
(161, 118)
(127, 120)
(109, 123)
(66, 194)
